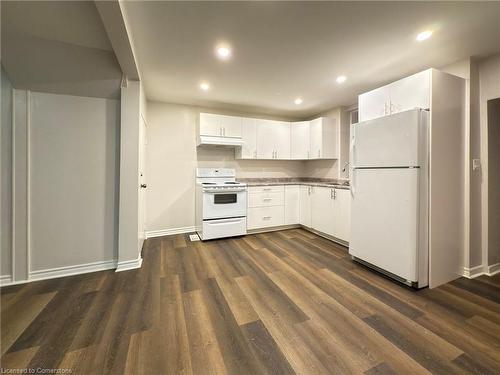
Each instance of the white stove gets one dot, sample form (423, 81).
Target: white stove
(221, 204)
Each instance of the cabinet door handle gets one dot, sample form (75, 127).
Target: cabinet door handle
(393, 108)
(319, 153)
(276, 154)
(266, 217)
(255, 154)
(220, 131)
(308, 154)
(224, 131)
(385, 108)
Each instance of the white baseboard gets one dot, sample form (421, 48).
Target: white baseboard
(129, 265)
(53, 273)
(169, 232)
(493, 269)
(473, 272)
(5, 280)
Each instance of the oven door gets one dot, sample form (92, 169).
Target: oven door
(219, 204)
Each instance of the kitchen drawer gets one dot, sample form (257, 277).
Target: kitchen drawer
(266, 199)
(266, 189)
(264, 217)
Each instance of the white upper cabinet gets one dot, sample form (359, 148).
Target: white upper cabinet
(324, 138)
(374, 104)
(219, 125)
(299, 140)
(249, 135)
(411, 92)
(273, 139)
(407, 93)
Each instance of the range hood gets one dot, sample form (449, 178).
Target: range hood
(206, 140)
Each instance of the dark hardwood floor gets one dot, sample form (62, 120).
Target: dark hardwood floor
(275, 303)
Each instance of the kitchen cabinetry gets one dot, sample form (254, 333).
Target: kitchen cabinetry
(303, 140)
(219, 125)
(322, 209)
(273, 139)
(341, 214)
(266, 207)
(305, 206)
(249, 136)
(299, 140)
(292, 204)
(407, 93)
(324, 138)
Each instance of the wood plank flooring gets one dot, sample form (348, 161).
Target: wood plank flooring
(285, 302)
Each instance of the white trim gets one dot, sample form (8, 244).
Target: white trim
(28, 182)
(5, 280)
(493, 269)
(129, 265)
(473, 272)
(52, 273)
(168, 232)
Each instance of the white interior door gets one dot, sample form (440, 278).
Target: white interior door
(384, 219)
(391, 141)
(142, 178)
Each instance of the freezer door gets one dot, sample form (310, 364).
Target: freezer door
(398, 140)
(385, 219)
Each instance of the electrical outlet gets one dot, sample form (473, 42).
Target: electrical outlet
(476, 164)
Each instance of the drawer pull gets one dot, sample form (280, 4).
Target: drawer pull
(267, 199)
(266, 189)
(266, 218)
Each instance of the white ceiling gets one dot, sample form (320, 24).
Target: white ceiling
(59, 47)
(283, 50)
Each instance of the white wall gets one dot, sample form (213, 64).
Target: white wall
(6, 176)
(73, 180)
(172, 157)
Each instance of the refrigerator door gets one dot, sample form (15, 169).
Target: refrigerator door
(391, 141)
(385, 219)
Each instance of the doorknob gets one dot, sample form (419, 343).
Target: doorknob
(144, 186)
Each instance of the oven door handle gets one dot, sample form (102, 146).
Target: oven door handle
(217, 191)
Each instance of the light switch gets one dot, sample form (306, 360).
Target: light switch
(476, 164)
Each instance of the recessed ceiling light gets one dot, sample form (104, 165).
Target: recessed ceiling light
(223, 52)
(341, 79)
(204, 86)
(298, 101)
(424, 35)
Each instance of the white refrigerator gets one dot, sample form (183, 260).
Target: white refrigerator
(389, 192)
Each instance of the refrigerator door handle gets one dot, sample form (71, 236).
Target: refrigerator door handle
(351, 149)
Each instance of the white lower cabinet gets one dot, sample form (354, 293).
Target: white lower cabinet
(305, 206)
(325, 209)
(322, 210)
(265, 217)
(292, 204)
(342, 214)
